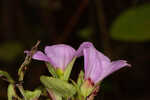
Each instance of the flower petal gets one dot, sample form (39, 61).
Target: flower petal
(92, 64)
(40, 56)
(114, 66)
(60, 55)
(97, 66)
(83, 46)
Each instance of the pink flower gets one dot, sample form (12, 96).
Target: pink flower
(57, 55)
(97, 66)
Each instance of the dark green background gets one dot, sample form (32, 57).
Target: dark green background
(118, 28)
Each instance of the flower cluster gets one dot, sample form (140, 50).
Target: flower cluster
(96, 65)
(59, 60)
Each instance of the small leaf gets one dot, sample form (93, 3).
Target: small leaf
(32, 95)
(7, 76)
(60, 87)
(51, 69)
(11, 93)
(68, 69)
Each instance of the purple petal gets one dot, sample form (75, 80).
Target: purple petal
(92, 64)
(114, 66)
(60, 55)
(83, 46)
(40, 56)
(97, 66)
(27, 52)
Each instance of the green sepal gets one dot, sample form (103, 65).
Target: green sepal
(7, 76)
(60, 87)
(51, 69)
(78, 85)
(68, 70)
(80, 79)
(86, 88)
(32, 95)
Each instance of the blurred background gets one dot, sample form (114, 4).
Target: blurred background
(118, 28)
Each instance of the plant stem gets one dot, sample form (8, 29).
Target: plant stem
(24, 66)
(20, 87)
(27, 61)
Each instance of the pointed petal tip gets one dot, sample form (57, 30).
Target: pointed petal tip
(26, 51)
(40, 56)
(129, 65)
(126, 63)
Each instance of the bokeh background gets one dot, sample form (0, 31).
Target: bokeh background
(118, 28)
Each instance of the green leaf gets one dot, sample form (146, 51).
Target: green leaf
(51, 69)
(7, 76)
(68, 69)
(58, 86)
(42, 89)
(11, 93)
(54, 95)
(133, 25)
(31, 95)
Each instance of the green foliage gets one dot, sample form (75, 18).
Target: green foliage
(11, 92)
(31, 95)
(60, 87)
(10, 50)
(54, 95)
(86, 88)
(7, 76)
(133, 25)
(80, 78)
(58, 73)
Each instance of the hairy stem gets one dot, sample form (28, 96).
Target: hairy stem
(27, 61)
